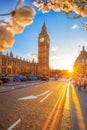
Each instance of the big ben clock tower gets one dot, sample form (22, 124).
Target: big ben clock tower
(43, 51)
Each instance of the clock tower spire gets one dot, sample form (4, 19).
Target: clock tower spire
(44, 29)
(43, 51)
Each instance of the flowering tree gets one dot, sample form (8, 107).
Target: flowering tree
(20, 17)
(67, 6)
(23, 15)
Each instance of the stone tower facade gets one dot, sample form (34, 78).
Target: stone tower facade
(43, 51)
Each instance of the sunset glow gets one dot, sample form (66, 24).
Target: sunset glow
(64, 62)
(70, 70)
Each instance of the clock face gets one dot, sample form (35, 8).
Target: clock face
(41, 39)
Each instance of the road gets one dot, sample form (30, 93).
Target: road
(37, 107)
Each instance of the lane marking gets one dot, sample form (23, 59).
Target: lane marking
(33, 96)
(13, 125)
(28, 97)
(58, 111)
(46, 97)
(69, 83)
(53, 111)
(43, 93)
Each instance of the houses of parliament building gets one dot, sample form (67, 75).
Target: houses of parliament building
(11, 65)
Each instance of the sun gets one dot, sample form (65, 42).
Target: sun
(70, 70)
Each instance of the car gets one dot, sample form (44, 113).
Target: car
(31, 77)
(39, 77)
(45, 78)
(19, 78)
(4, 79)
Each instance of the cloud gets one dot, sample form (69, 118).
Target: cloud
(53, 49)
(75, 27)
(33, 55)
(54, 58)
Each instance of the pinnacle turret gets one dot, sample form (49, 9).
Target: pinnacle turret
(44, 29)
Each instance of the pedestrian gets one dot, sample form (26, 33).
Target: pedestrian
(79, 84)
(84, 83)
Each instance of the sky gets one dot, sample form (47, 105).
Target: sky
(66, 36)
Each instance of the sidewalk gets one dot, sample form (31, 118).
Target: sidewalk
(78, 103)
(14, 85)
(75, 109)
(5, 87)
(17, 85)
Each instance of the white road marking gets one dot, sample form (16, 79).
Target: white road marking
(13, 125)
(43, 93)
(69, 84)
(28, 97)
(45, 97)
(33, 97)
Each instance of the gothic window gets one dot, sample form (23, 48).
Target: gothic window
(4, 62)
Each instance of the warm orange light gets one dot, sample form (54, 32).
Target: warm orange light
(70, 70)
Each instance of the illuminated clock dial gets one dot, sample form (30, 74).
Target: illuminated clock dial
(41, 39)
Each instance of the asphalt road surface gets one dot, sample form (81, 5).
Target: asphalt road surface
(37, 107)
